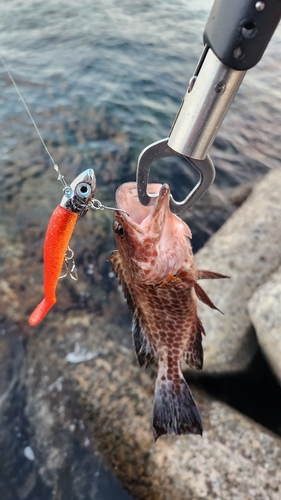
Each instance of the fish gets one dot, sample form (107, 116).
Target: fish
(155, 266)
(74, 204)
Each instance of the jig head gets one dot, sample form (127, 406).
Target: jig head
(75, 203)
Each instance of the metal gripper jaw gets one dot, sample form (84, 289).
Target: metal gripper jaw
(160, 149)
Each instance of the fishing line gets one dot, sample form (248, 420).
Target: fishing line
(69, 256)
(66, 188)
(95, 204)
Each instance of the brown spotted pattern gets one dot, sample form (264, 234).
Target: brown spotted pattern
(156, 268)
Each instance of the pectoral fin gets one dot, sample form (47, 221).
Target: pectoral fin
(202, 295)
(210, 275)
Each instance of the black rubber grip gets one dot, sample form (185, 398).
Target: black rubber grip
(238, 31)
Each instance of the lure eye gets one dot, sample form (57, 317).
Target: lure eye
(118, 229)
(83, 189)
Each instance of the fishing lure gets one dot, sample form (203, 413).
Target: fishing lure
(75, 203)
(77, 199)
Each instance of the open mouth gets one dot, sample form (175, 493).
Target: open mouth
(138, 214)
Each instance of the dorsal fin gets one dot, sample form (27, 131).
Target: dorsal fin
(144, 350)
(118, 268)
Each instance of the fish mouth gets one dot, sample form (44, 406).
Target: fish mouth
(138, 216)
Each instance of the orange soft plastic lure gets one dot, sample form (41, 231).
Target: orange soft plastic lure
(58, 234)
(59, 231)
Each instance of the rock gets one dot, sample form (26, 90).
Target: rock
(246, 248)
(265, 314)
(75, 416)
(239, 194)
(59, 457)
(113, 397)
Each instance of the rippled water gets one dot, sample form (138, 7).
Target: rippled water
(104, 79)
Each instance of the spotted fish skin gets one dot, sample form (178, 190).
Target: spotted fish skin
(155, 266)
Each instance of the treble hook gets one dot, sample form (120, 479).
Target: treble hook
(160, 149)
(70, 266)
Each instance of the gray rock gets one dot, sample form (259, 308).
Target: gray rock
(265, 314)
(69, 413)
(246, 248)
(239, 194)
(236, 458)
(62, 459)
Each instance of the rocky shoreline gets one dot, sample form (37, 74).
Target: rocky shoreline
(83, 394)
(246, 248)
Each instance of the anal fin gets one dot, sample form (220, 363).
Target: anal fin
(193, 354)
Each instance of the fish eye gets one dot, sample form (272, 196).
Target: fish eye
(83, 189)
(118, 229)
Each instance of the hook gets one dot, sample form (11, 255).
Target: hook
(69, 264)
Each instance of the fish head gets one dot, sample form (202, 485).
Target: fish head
(81, 192)
(153, 242)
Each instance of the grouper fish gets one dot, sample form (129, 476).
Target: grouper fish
(156, 269)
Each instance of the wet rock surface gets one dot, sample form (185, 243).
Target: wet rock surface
(75, 407)
(73, 411)
(47, 448)
(247, 249)
(47, 451)
(265, 313)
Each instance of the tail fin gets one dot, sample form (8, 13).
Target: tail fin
(40, 312)
(174, 411)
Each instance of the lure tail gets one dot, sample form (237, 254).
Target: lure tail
(40, 311)
(174, 411)
(58, 234)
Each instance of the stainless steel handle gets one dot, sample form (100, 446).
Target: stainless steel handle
(204, 107)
